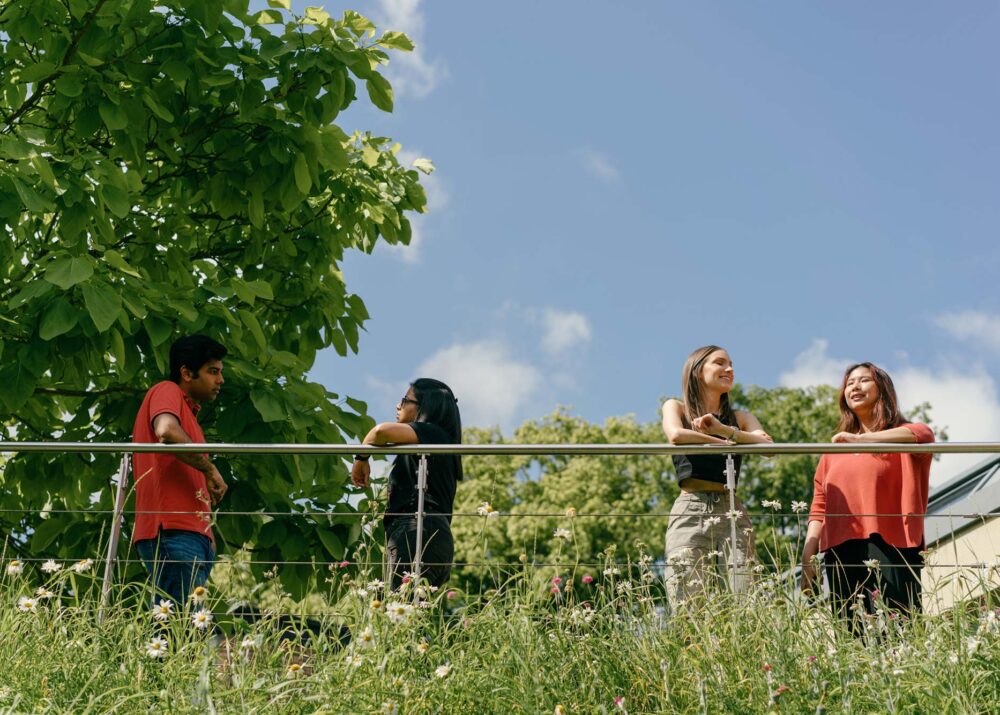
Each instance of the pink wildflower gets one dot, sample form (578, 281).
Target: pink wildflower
(588, 579)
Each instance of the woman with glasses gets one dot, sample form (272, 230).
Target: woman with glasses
(867, 512)
(699, 531)
(427, 414)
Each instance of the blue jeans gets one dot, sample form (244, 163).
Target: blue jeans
(178, 561)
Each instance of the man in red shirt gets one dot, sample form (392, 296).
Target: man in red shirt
(174, 492)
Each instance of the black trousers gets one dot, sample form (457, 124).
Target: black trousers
(896, 577)
(401, 549)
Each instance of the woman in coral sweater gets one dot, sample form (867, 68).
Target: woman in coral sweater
(867, 513)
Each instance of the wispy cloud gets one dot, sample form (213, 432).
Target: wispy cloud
(492, 386)
(971, 326)
(813, 366)
(599, 165)
(411, 73)
(564, 331)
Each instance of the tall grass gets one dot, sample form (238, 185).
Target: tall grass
(586, 642)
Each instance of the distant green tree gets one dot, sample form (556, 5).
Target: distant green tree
(567, 490)
(174, 167)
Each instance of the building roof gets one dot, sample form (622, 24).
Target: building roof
(974, 491)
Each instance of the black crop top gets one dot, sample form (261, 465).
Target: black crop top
(707, 467)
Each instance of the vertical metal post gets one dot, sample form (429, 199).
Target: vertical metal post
(731, 487)
(421, 490)
(116, 532)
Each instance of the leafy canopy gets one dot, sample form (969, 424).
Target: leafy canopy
(173, 168)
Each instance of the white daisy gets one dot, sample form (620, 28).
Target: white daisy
(201, 619)
(562, 534)
(366, 638)
(163, 610)
(443, 671)
(51, 566)
(15, 567)
(26, 604)
(82, 566)
(156, 648)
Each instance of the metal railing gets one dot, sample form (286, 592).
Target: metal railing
(423, 451)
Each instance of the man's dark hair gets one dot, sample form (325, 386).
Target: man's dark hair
(193, 351)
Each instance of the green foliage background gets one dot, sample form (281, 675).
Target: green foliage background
(173, 168)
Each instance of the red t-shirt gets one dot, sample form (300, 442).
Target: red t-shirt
(163, 483)
(883, 494)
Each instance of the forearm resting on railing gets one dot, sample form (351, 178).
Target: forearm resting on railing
(809, 552)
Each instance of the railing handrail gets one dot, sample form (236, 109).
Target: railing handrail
(510, 449)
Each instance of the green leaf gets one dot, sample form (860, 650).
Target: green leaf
(157, 329)
(333, 545)
(35, 289)
(60, 318)
(37, 71)
(116, 200)
(380, 92)
(102, 303)
(18, 384)
(285, 4)
(44, 170)
(69, 85)
(114, 116)
(396, 41)
(266, 17)
(256, 209)
(424, 165)
(158, 109)
(115, 260)
(67, 271)
(268, 406)
(33, 201)
(302, 179)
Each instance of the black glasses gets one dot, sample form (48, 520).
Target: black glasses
(405, 400)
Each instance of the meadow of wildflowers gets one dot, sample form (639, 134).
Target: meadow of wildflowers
(576, 641)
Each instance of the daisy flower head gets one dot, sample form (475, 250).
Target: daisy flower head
(562, 534)
(51, 566)
(83, 566)
(771, 504)
(559, 710)
(376, 605)
(26, 604)
(872, 564)
(294, 670)
(798, 506)
(486, 509)
(43, 592)
(422, 647)
(713, 521)
(156, 648)
(390, 708)
(248, 643)
(354, 661)
(199, 594)
(163, 610)
(201, 619)
(443, 671)
(734, 514)
(366, 638)
(571, 512)
(398, 611)
(15, 567)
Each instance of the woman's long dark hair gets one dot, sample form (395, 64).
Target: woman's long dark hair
(886, 412)
(438, 405)
(693, 388)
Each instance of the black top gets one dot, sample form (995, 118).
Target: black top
(443, 473)
(708, 467)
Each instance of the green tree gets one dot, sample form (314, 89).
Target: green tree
(566, 491)
(175, 167)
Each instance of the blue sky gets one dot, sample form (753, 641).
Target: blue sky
(619, 183)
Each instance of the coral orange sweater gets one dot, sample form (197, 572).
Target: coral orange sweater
(857, 495)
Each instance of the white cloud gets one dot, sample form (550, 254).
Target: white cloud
(410, 73)
(972, 326)
(814, 367)
(491, 386)
(599, 165)
(963, 401)
(437, 199)
(564, 331)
